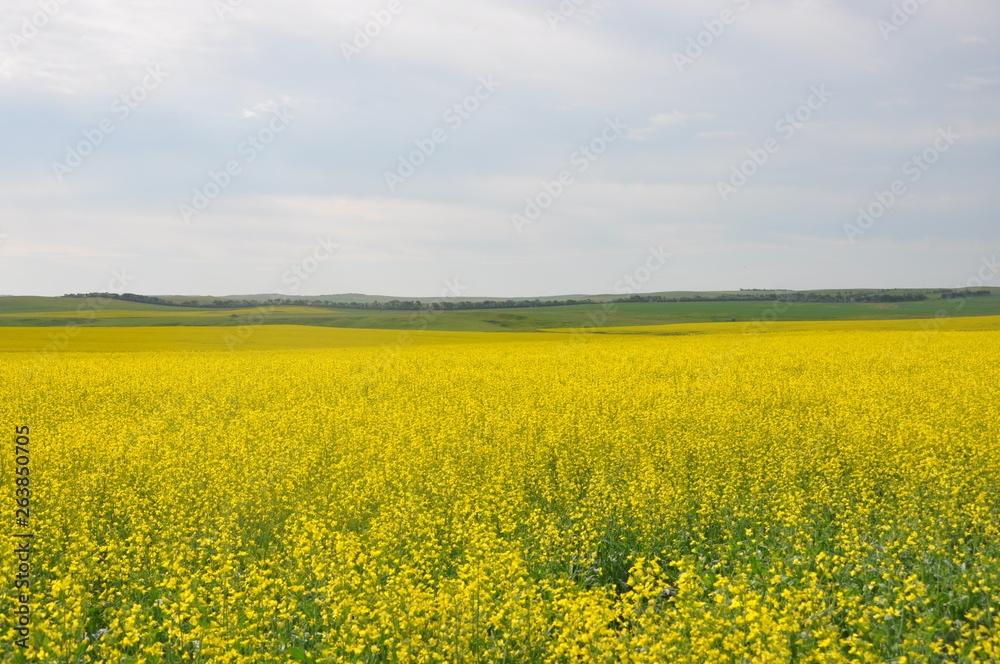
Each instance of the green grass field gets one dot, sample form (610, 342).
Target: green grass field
(53, 312)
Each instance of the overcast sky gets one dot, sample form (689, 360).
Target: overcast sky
(507, 148)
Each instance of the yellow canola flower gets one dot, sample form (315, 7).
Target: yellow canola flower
(816, 493)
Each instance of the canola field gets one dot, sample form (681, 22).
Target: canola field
(805, 494)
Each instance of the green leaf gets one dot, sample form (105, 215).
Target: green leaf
(299, 655)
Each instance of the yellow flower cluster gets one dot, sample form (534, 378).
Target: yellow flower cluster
(788, 496)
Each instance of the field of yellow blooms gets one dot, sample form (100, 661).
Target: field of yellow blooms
(810, 494)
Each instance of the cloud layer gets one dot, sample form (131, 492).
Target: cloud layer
(206, 146)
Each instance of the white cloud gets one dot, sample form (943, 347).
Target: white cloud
(721, 135)
(984, 78)
(267, 107)
(663, 121)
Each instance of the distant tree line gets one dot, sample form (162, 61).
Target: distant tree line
(950, 294)
(128, 297)
(417, 305)
(382, 305)
(786, 296)
(746, 295)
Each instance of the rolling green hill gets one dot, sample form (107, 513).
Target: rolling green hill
(26, 305)
(53, 312)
